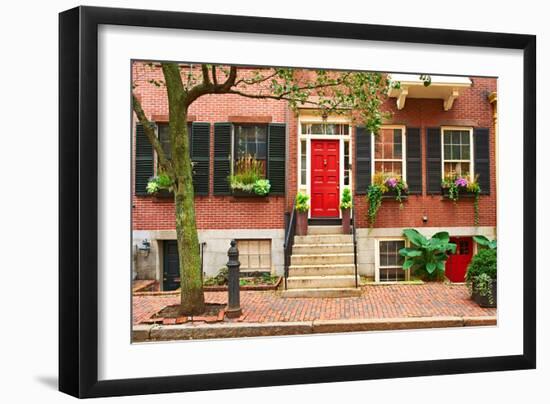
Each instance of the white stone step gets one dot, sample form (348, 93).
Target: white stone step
(314, 282)
(312, 270)
(300, 249)
(326, 292)
(324, 239)
(321, 259)
(314, 230)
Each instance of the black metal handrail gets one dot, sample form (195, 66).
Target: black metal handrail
(354, 244)
(290, 231)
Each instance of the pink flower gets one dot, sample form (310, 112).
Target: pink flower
(461, 182)
(391, 182)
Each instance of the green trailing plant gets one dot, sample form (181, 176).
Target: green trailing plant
(374, 197)
(158, 183)
(426, 257)
(481, 273)
(455, 184)
(249, 176)
(382, 184)
(302, 202)
(346, 202)
(483, 285)
(485, 242)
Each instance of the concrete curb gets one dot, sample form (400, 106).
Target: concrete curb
(147, 333)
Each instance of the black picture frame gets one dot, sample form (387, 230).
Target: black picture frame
(78, 196)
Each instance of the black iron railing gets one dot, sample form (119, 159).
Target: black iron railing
(354, 244)
(290, 230)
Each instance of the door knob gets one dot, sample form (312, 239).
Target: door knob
(325, 161)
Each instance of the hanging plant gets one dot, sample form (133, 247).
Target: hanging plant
(374, 197)
(382, 184)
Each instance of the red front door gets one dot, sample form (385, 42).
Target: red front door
(325, 178)
(457, 264)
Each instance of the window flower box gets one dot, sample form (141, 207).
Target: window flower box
(462, 193)
(163, 194)
(241, 193)
(392, 195)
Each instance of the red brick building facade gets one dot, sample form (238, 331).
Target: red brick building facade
(449, 109)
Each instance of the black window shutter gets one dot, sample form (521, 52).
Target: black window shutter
(362, 160)
(276, 154)
(414, 161)
(144, 161)
(200, 156)
(222, 158)
(481, 159)
(433, 160)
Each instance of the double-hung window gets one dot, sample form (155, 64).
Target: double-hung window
(390, 262)
(457, 152)
(251, 141)
(388, 153)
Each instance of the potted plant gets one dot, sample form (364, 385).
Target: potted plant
(248, 178)
(345, 206)
(426, 257)
(160, 186)
(302, 208)
(481, 277)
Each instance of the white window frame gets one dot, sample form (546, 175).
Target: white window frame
(471, 160)
(377, 258)
(336, 119)
(403, 158)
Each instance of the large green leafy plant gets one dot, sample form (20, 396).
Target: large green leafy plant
(426, 257)
(485, 242)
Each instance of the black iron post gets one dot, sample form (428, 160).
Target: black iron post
(234, 299)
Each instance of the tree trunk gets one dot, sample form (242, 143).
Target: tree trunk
(192, 296)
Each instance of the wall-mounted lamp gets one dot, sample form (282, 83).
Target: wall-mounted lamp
(425, 219)
(144, 247)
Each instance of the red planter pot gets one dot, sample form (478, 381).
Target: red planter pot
(346, 222)
(301, 223)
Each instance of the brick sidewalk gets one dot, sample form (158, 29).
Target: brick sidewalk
(380, 301)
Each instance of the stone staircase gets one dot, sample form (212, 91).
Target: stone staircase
(322, 264)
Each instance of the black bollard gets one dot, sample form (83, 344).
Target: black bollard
(233, 288)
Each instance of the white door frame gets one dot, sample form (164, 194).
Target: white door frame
(308, 137)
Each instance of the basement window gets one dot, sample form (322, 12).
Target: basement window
(255, 255)
(390, 263)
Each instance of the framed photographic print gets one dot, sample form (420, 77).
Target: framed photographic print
(283, 201)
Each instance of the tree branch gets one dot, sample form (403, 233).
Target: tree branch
(149, 130)
(214, 75)
(230, 82)
(205, 74)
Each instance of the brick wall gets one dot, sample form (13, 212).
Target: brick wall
(226, 212)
